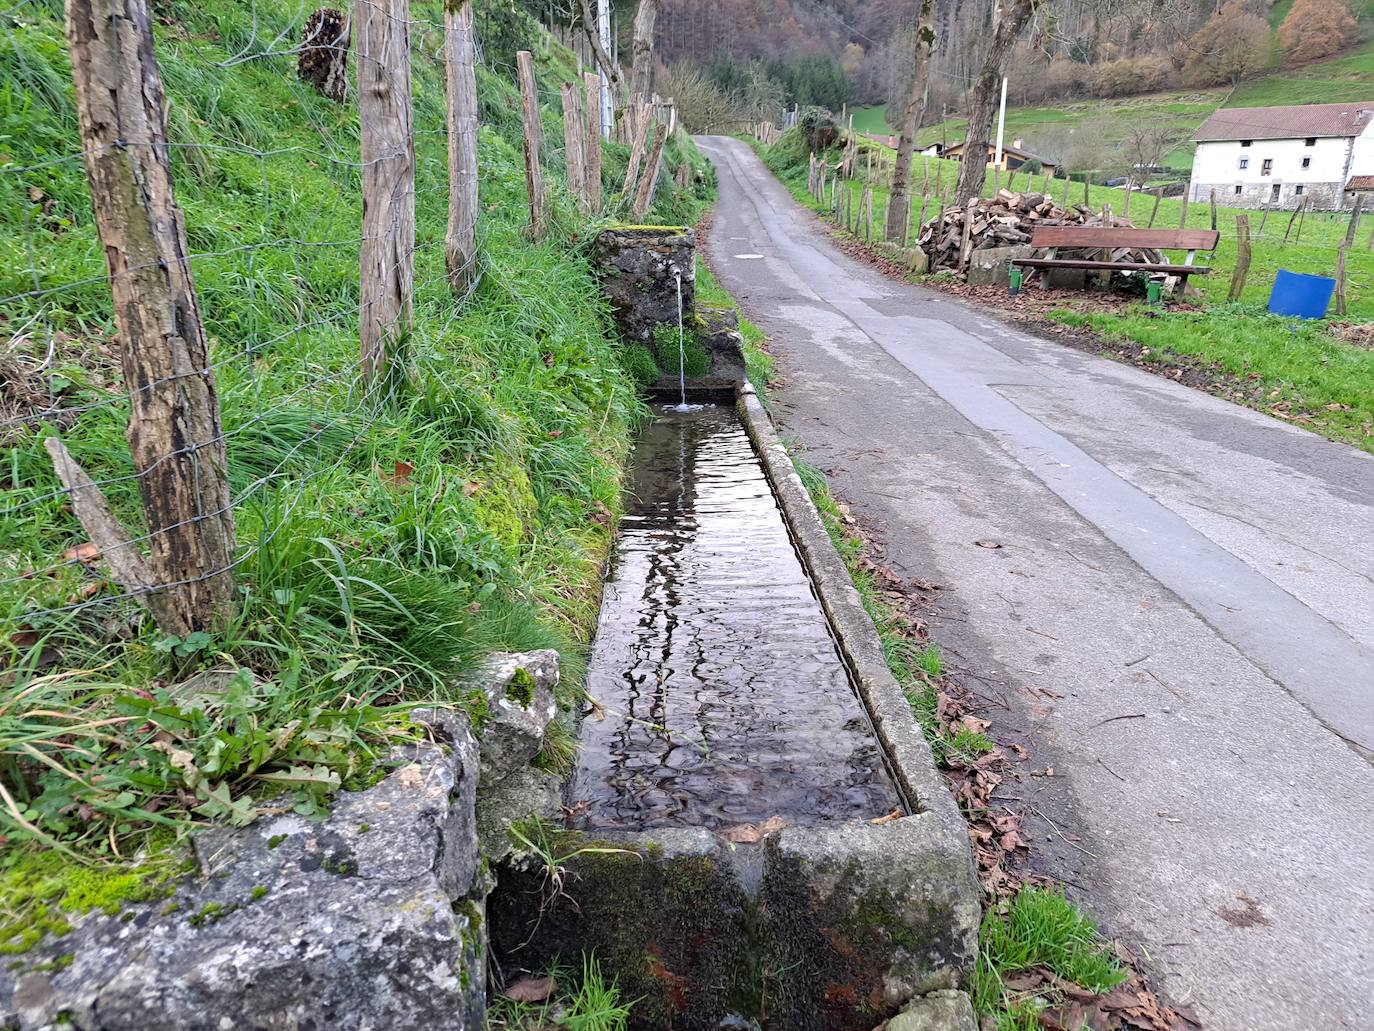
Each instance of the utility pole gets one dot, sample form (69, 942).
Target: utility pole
(1001, 126)
(603, 29)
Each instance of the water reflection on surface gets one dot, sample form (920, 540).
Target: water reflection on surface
(720, 698)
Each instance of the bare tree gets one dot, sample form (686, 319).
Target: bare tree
(973, 168)
(1146, 141)
(642, 53)
(899, 206)
(603, 59)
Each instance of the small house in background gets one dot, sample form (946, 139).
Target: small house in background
(1013, 156)
(1360, 184)
(1277, 157)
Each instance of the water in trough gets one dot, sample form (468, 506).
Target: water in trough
(720, 698)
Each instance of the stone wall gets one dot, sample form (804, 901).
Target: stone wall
(374, 918)
(1320, 196)
(639, 268)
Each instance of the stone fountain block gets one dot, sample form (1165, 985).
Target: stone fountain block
(826, 927)
(864, 918)
(638, 267)
(715, 355)
(665, 913)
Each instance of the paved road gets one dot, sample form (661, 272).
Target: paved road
(1180, 617)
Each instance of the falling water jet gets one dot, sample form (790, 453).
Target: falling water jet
(682, 406)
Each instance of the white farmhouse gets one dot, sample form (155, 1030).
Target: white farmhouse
(1278, 156)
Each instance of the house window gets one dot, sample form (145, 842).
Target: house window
(1246, 143)
(1298, 190)
(1268, 167)
(1311, 141)
(1244, 163)
(1239, 190)
(1307, 162)
(1274, 192)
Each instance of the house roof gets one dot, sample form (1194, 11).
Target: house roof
(1360, 182)
(1007, 148)
(1283, 123)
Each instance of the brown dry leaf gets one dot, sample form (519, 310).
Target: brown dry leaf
(991, 545)
(740, 834)
(772, 825)
(23, 638)
(974, 724)
(470, 488)
(896, 814)
(403, 471)
(87, 553)
(531, 989)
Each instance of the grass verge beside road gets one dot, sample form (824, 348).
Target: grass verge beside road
(1316, 374)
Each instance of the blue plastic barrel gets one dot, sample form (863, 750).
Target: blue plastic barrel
(1301, 295)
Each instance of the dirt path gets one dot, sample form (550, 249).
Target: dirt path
(1180, 617)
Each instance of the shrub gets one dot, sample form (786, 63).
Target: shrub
(1233, 44)
(1316, 28)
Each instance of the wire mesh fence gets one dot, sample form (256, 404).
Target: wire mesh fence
(280, 321)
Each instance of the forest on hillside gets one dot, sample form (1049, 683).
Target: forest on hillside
(829, 52)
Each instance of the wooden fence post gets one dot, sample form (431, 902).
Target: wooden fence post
(1292, 218)
(642, 124)
(533, 131)
(175, 436)
(574, 142)
(1183, 213)
(645, 196)
(1126, 201)
(1214, 209)
(1242, 258)
(387, 143)
(593, 138)
(460, 245)
(1346, 244)
(1264, 217)
(1154, 210)
(1302, 214)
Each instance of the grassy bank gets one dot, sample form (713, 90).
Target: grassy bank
(1299, 370)
(387, 540)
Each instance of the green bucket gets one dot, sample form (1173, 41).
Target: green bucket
(1014, 279)
(1154, 290)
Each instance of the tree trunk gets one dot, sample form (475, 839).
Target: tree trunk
(900, 200)
(983, 104)
(387, 142)
(642, 53)
(460, 245)
(603, 59)
(174, 432)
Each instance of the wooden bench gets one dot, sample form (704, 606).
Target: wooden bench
(1114, 242)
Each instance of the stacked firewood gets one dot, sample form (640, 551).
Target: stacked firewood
(1008, 220)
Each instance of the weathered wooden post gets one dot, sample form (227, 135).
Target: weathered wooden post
(533, 130)
(1183, 213)
(1126, 201)
(1242, 268)
(1346, 244)
(1264, 217)
(645, 196)
(460, 244)
(1213, 204)
(574, 146)
(387, 143)
(1302, 214)
(1154, 209)
(643, 123)
(175, 436)
(592, 122)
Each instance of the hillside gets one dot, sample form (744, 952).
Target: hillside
(388, 539)
(1049, 129)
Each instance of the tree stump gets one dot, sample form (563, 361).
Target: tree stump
(323, 60)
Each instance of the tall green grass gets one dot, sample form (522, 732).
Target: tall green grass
(388, 540)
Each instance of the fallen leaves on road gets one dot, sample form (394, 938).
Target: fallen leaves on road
(751, 834)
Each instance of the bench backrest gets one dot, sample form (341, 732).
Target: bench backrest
(1112, 236)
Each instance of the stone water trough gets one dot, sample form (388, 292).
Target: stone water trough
(755, 834)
